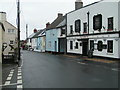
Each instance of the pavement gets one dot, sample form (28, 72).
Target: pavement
(102, 60)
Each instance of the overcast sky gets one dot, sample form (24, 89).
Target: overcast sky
(36, 13)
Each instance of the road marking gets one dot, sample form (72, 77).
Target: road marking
(82, 63)
(19, 71)
(9, 78)
(19, 81)
(19, 77)
(10, 75)
(12, 70)
(7, 83)
(12, 84)
(115, 69)
(19, 86)
(19, 74)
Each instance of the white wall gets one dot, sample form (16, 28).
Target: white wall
(74, 39)
(1, 44)
(34, 43)
(9, 36)
(104, 8)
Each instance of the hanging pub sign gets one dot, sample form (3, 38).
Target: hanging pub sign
(97, 22)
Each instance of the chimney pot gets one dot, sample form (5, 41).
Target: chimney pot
(35, 30)
(60, 14)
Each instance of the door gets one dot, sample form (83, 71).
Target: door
(55, 46)
(85, 47)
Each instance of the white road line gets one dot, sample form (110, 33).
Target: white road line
(82, 63)
(7, 83)
(19, 86)
(8, 78)
(19, 77)
(19, 81)
(115, 69)
(12, 84)
(12, 70)
(19, 71)
(19, 74)
(10, 75)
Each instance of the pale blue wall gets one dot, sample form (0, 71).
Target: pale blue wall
(51, 37)
(38, 43)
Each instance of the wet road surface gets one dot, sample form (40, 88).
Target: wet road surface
(44, 70)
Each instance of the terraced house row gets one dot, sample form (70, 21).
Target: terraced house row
(92, 28)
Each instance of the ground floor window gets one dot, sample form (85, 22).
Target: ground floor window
(99, 46)
(11, 42)
(110, 46)
(71, 45)
(92, 45)
(76, 45)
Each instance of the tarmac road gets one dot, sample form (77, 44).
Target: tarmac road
(44, 70)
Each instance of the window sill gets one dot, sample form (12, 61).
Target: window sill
(110, 54)
(109, 30)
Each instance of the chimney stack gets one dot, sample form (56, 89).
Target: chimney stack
(47, 25)
(78, 4)
(35, 30)
(2, 16)
(60, 14)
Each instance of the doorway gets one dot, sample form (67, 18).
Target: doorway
(85, 47)
(55, 46)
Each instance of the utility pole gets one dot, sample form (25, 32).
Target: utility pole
(26, 31)
(18, 26)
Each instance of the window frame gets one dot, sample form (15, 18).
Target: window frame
(76, 45)
(110, 26)
(92, 45)
(71, 29)
(11, 42)
(78, 26)
(100, 48)
(85, 27)
(109, 50)
(71, 45)
(97, 22)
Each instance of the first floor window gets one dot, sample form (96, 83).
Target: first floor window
(97, 22)
(71, 29)
(62, 31)
(110, 23)
(100, 45)
(85, 27)
(71, 44)
(110, 46)
(78, 26)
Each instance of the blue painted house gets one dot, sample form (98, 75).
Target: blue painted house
(41, 41)
(52, 35)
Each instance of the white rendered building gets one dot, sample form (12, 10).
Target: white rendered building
(95, 27)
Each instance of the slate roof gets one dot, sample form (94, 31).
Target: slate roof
(55, 23)
(62, 23)
(36, 34)
(42, 33)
